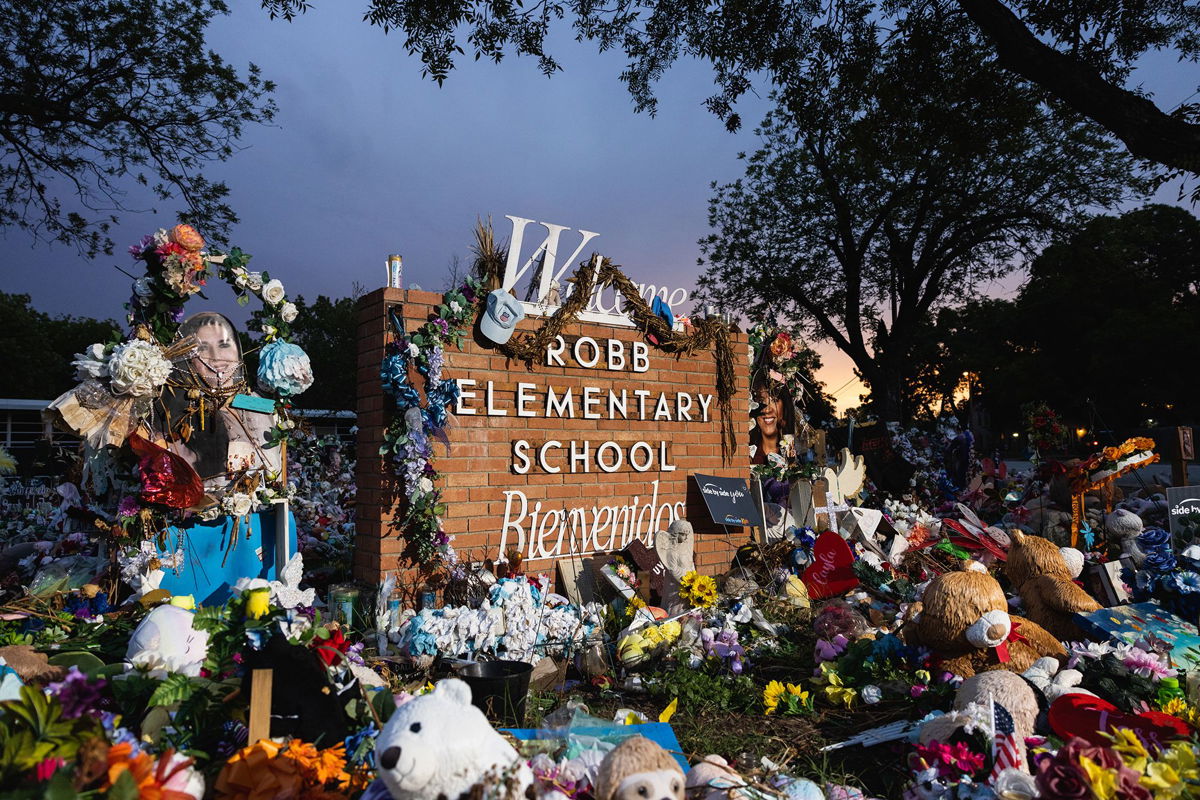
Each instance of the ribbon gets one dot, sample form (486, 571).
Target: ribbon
(1013, 636)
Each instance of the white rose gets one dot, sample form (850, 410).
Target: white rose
(237, 505)
(425, 485)
(91, 363)
(288, 312)
(269, 330)
(413, 350)
(273, 293)
(161, 237)
(138, 368)
(254, 280)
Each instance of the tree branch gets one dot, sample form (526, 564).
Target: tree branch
(1145, 129)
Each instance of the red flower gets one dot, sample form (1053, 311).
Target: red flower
(330, 650)
(171, 249)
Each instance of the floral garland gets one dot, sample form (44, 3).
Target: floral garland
(782, 356)
(407, 440)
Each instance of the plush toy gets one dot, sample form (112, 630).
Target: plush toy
(1123, 527)
(439, 745)
(963, 617)
(1053, 681)
(638, 769)
(1074, 560)
(1041, 576)
(165, 639)
(714, 779)
(973, 709)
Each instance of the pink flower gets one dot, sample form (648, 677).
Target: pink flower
(44, 770)
(1148, 665)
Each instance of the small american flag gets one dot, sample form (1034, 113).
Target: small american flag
(1005, 752)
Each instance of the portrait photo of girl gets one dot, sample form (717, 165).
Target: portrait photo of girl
(198, 420)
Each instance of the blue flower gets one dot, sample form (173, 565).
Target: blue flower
(1153, 537)
(284, 368)
(1161, 561)
(887, 647)
(1188, 582)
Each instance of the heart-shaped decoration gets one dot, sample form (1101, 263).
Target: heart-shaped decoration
(831, 572)
(1090, 718)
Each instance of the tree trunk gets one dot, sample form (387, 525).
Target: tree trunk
(884, 378)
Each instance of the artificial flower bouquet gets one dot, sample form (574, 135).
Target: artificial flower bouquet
(871, 671)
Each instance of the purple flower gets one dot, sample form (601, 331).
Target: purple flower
(128, 507)
(468, 293)
(442, 325)
(918, 690)
(177, 314)
(136, 250)
(78, 694)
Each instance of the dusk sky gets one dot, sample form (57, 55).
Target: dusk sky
(367, 158)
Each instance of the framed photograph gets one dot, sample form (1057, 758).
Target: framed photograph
(1106, 582)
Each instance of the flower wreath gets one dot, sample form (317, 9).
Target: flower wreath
(407, 440)
(780, 354)
(122, 377)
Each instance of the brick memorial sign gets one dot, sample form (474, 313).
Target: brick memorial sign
(587, 451)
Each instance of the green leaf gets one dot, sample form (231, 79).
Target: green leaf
(88, 663)
(243, 299)
(174, 689)
(60, 787)
(123, 788)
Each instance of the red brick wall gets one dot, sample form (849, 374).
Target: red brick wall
(478, 469)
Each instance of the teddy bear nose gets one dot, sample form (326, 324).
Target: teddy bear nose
(389, 757)
(997, 631)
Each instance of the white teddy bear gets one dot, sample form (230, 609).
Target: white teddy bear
(439, 745)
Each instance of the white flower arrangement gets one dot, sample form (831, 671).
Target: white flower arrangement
(237, 504)
(137, 368)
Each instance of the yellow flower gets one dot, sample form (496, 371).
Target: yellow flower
(923, 676)
(698, 591)
(1164, 781)
(669, 711)
(1103, 781)
(837, 693)
(1179, 707)
(1182, 759)
(772, 694)
(1131, 749)
(258, 602)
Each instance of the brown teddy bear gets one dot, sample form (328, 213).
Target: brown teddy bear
(963, 617)
(1042, 577)
(639, 769)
